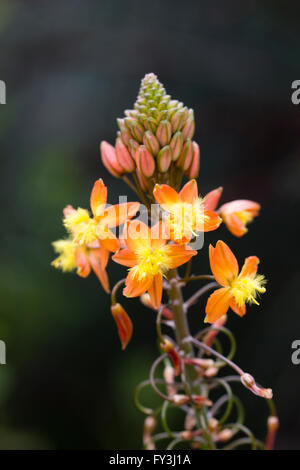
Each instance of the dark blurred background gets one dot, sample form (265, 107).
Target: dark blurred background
(71, 68)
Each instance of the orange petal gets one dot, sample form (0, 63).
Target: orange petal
(239, 205)
(238, 310)
(223, 263)
(137, 234)
(125, 257)
(178, 255)
(119, 213)
(98, 198)
(165, 195)
(235, 225)
(101, 274)
(159, 235)
(189, 192)
(82, 262)
(250, 266)
(211, 221)
(212, 198)
(155, 291)
(124, 324)
(217, 304)
(135, 287)
(110, 242)
(102, 254)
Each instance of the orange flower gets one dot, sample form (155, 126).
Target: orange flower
(124, 324)
(237, 214)
(149, 257)
(237, 288)
(86, 229)
(187, 212)
(82, 257)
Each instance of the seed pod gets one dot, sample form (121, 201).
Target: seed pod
(151, 142)
(176, 145)
(164, 159)
(123, 156)
(146, 162)
(163, 132)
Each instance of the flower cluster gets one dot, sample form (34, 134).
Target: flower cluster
(153, 152)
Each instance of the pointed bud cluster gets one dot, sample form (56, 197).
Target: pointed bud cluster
(153, 135)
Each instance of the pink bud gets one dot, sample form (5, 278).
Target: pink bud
(212, 198)
(176, 145)
(180, 399)
(163, 133)
(189, 128)
(133, 149)
(142, 180)
(177, 120)
(201, 401)
(193, 171)
(136, 128)
(150, 124)
(109, 159)
(151, 142)
(124, 158)
(146, 162)
(186, 156)
(175, 357)
(164, 159)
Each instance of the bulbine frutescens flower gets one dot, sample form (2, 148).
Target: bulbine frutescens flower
(153, 151)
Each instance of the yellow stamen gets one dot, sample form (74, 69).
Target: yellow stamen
(187, 218)
(81, 226)
(151, 262)
(66, 259)
(245, 289)
(245, 216)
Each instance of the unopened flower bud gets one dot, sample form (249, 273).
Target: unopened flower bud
(146, 162)
(133, 147)
(135, 128)
(169, 375)
(123, 323)
(150, 124)
(202, 363)
(124, 158)
(164, 132)
(142, 180)
(213, 425)
(180, 399)
(151, 142)
(164, 159)
(273, 425)
(200, 401)
(178, 120)
(192, 171)
(109, 159)
(249, 382)
(225, 435)
(189, 128)
(169, 348)
(210, 336)
(211, 372)
(186, 435)
(176, 145)
(149, 426)
(186, 156)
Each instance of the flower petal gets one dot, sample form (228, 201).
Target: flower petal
(155, 291)
(212, 198)
(235, 225)
(211, 221)
(102, 254)
(101, 274)
(238, 310)
(178, 255)
(250, 266)
(136, 287)
(98, 198)
(223, 263)
(240, 205)
(217, 304)
(166, 196)
(109, 242)
(82, 262)
(125, 257)
(119, 213)
(136, 235)
(189, 192)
